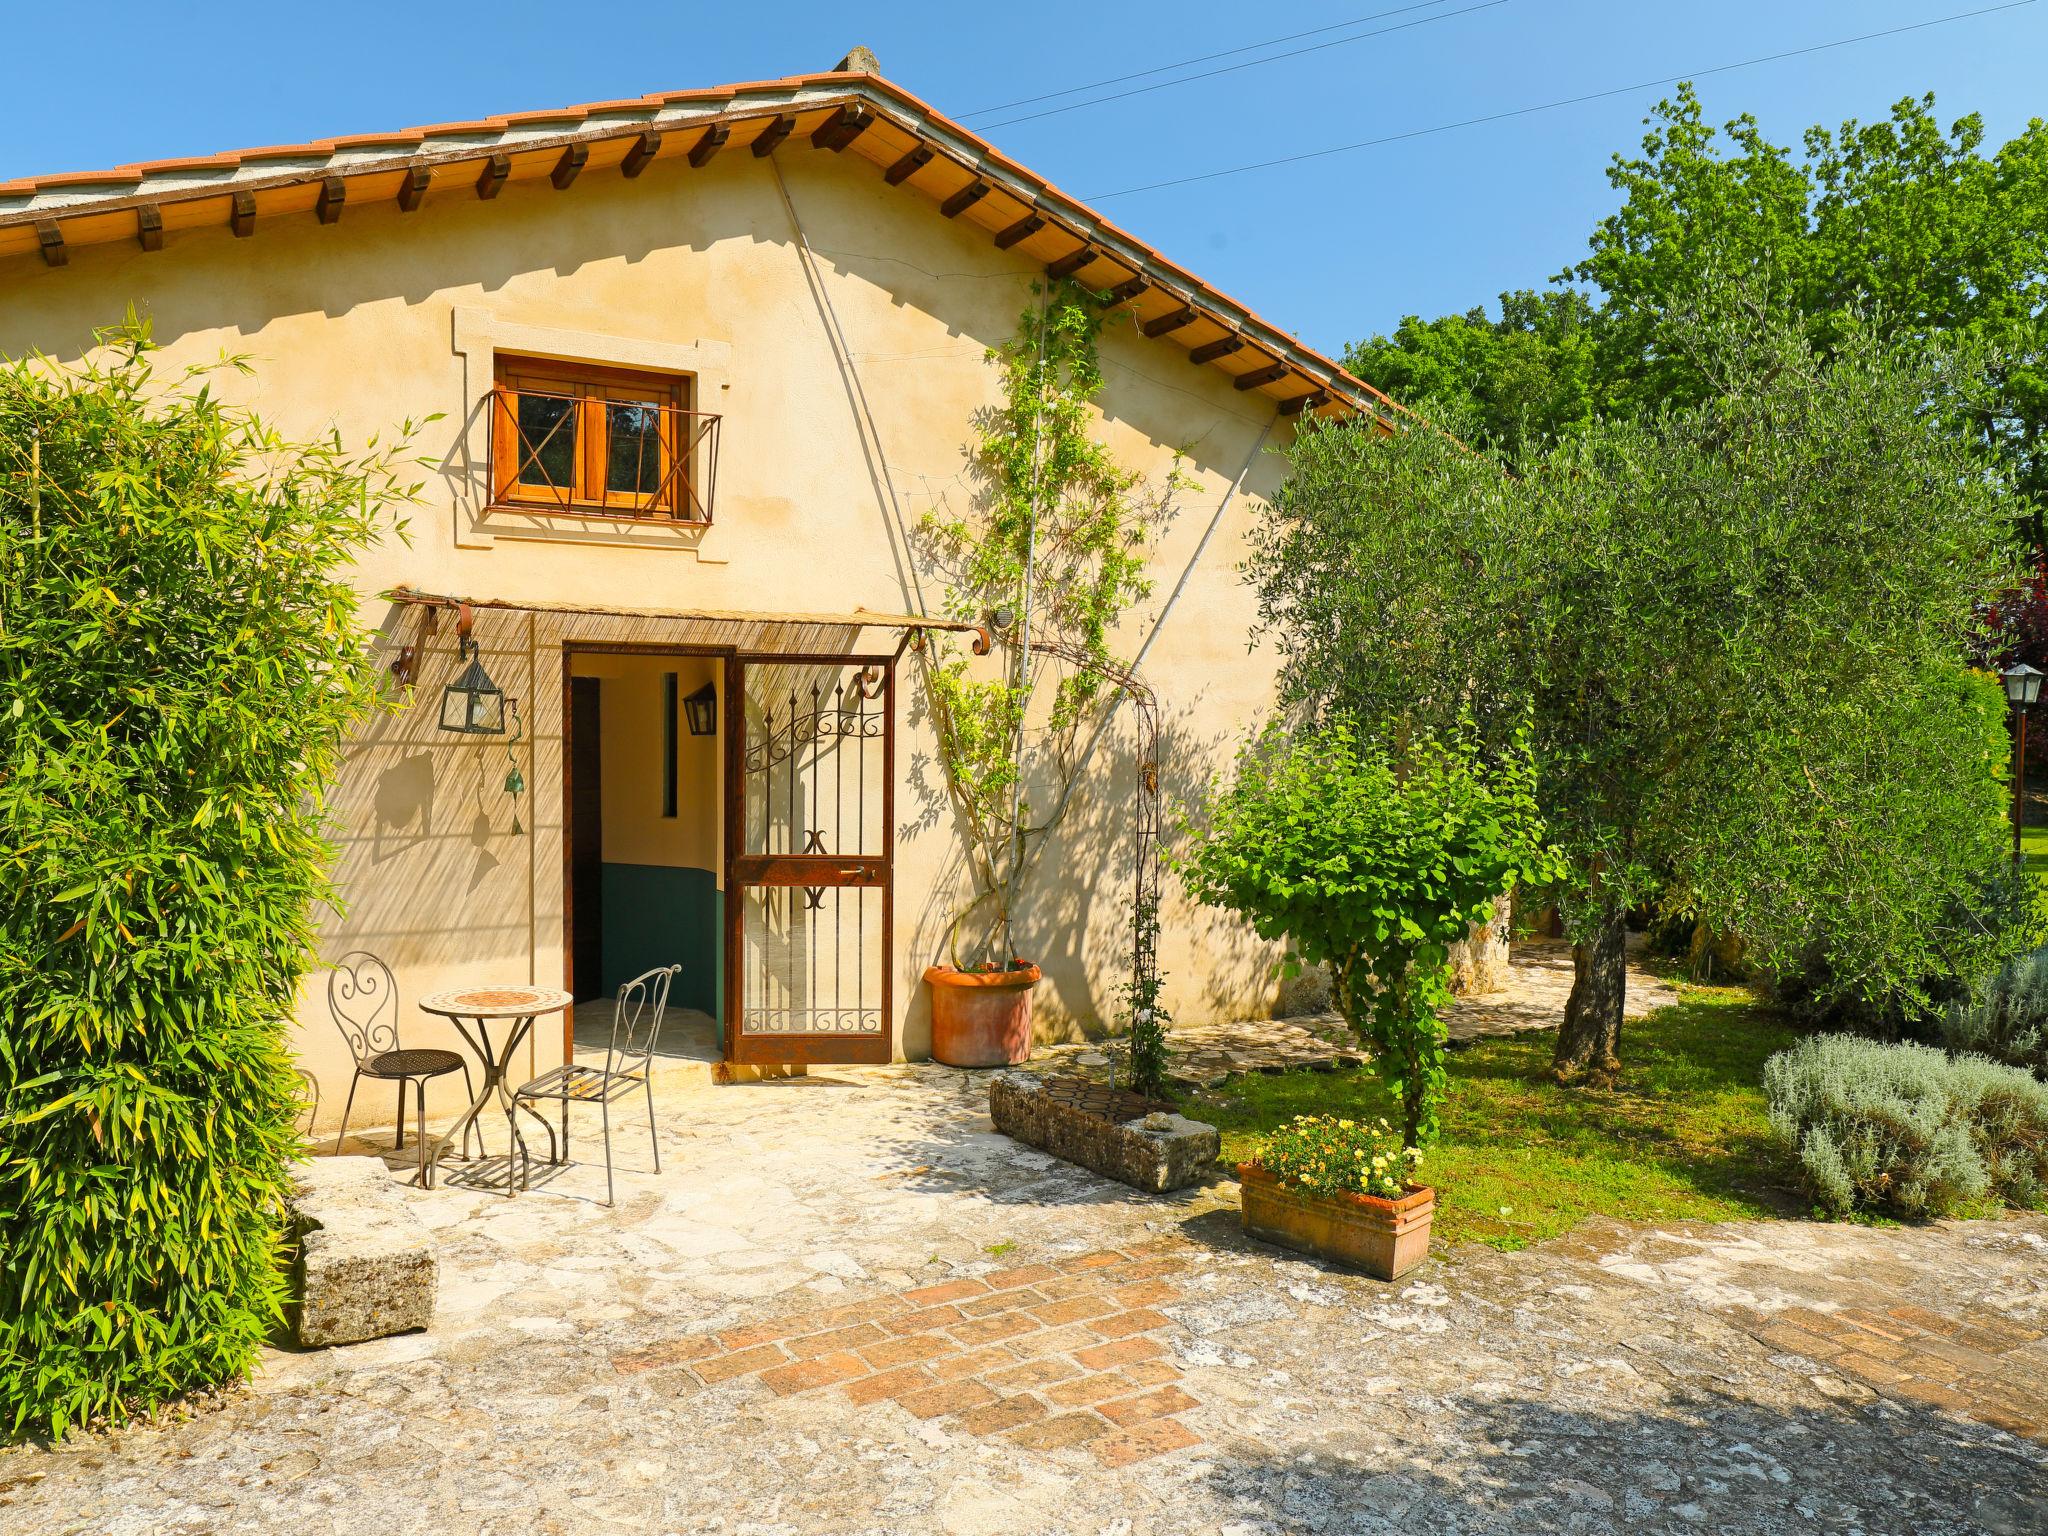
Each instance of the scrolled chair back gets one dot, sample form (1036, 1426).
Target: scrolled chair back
(362, 995)
(636, 1025)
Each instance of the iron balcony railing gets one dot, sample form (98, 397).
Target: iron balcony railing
(594, 455)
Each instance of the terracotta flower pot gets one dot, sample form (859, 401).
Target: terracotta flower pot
(1386, 1238)
(981, 1018)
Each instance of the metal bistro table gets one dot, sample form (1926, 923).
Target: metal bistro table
(476, 1007)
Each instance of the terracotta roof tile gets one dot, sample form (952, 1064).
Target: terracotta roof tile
(1195, 292)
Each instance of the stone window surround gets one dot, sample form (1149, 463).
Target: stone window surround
(479, 335)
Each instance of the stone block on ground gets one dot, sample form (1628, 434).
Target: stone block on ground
(366, 1265)
(1153, 1151)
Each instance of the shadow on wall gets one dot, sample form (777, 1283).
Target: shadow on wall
(431, 872)
(1081, 921)
(1074, 916)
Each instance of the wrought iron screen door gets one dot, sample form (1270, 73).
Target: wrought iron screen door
(813, 756)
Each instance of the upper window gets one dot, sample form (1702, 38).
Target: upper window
(599, 442)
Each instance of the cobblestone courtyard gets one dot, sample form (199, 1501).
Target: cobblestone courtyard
(847, 1305)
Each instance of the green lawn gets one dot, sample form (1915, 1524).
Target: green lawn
(2034, 851)
(1683, 1135)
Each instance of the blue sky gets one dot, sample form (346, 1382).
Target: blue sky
(1331, 248)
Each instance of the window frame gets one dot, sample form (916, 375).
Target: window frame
(592, 387)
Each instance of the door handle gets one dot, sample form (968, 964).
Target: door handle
(856, 870)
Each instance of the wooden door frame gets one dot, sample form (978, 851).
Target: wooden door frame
(725, 655)
(795, 1049)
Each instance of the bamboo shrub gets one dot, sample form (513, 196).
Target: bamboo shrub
(180, 659)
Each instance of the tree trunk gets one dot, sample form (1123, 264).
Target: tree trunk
(1589, 1044)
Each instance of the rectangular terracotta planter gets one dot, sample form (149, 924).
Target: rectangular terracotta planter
(1386, 1238)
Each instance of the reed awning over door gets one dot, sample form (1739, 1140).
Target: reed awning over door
(755, 630)
(857, 618)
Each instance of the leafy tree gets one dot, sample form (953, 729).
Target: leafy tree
(1896, 220)
(1733, 628)
(179, 661)
(1896, 223)
(1373, 865)
(1518, 381)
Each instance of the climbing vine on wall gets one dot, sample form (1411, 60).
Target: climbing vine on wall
(1054, 549)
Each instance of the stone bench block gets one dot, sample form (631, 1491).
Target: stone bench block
(366, 1265)
(1154, 1153)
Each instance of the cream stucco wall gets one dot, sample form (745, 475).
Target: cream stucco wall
(384, 317)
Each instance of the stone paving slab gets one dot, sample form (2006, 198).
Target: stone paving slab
(595, 1370)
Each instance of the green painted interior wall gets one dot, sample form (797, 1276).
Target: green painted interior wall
(661, 915)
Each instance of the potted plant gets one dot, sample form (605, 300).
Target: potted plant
(981, 1018)
(1341, 1190)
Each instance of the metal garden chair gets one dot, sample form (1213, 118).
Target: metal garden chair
(628, 1068)
(362, 995)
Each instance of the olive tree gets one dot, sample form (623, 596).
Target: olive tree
(1734, 627)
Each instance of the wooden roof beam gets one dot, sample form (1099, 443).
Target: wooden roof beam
(492, 178)
(1124, 292)
(333, 193)
(412, 187)
(644, 149)
(242, 215)
(1209, 351)
(1059, 271)
(149, 227)
(1272, 373)
(1020, 231)
(965, 198)
(1314, 400)
(842, 128)
(766, 141)
(570, 166)
(1185, 315)
(712, 142)
(51, 239)
(919, 157)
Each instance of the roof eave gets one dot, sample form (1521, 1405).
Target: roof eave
(48, 204)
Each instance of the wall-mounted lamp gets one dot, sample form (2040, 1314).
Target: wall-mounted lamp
(473, 704)
(701, 710)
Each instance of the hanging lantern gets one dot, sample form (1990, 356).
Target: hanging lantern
(473, 704)
(701, 710)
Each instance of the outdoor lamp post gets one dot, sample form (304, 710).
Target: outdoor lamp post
(2022, 689)
(473, 704)
(701, 710)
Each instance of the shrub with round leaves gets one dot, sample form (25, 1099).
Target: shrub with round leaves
(180, 660)
(1373, 863)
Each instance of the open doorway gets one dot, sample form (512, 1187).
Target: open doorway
(644, 840)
